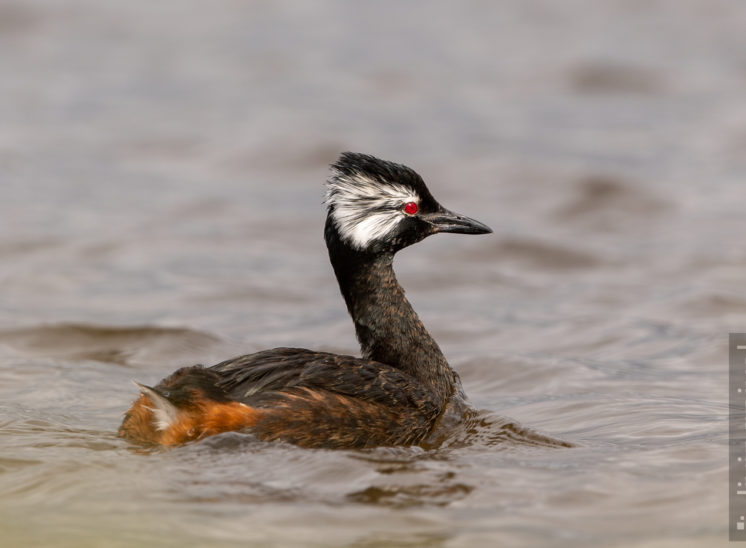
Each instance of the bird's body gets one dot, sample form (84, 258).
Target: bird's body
(393, 395)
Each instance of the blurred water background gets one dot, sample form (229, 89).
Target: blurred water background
(161, 170)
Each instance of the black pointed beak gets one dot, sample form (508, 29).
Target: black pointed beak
(448, 221)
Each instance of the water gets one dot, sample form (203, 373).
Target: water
(161, 168)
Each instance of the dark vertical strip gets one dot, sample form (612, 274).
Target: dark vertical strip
(737, 439)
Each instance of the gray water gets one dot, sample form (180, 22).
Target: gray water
(161, 170)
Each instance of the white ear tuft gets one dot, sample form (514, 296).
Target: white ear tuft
(365, 209)
(165, 413)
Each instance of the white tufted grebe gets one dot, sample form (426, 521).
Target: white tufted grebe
(393, 395)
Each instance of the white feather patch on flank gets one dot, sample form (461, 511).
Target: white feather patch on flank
(162, 418)
(164, 412)
(364, 209)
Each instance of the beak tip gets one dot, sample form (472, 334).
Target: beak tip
(479, 228)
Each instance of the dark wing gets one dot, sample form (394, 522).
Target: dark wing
(255, 377)
(317, 399)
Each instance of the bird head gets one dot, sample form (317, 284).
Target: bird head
(376, 206)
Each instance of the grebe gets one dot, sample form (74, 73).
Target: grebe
(393, 395)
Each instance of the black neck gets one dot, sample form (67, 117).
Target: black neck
(387, 327)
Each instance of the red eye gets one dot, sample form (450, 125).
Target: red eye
(410, 208)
